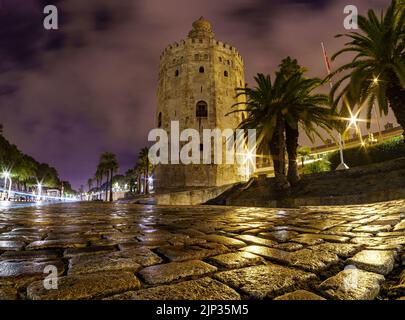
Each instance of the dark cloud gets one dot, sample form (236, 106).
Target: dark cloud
(68, 95)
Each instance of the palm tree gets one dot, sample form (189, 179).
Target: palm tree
(143, 162)
(99, 177)
(264, 105)
(89, 183)
(304, 109)
(276, 110)
(109, 162)
(377, 71)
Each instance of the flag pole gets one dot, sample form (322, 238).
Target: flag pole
(342, 165)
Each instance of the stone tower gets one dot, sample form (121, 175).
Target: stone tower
(197, 81)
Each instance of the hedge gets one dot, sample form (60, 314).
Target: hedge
(354, 157)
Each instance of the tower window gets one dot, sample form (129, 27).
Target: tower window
(225, 73)
(197, 56)
(220, 59)
(159, 120)
(202, 109)
(201, 41)
(201, 70)
(176, 74)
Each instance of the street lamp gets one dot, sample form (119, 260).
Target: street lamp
(39, 186)
(6, 175)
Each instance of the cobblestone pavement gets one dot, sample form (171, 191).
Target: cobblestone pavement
(126, 251)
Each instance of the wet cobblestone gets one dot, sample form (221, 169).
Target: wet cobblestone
(127, 251)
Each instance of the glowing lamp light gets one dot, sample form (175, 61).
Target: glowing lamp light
(375, 80)
(353, 120)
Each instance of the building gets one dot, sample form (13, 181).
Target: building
(197, 81)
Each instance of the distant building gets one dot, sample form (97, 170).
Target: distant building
(197, 81)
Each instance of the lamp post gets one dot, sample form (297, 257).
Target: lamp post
(342, 165)
(39, 186)
(6, 176)
(9, 187)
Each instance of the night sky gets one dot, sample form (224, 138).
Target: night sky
(68, 95)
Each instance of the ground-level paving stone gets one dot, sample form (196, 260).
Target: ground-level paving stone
(266, 281)
(279, 236)
(377, 261)
(352, 284)
(19, 273)
(30, 255)
(229, 242)
(256, 240)
(237, 260)
(300, 295)
(288, 246)
(73, 252)
(89, 286)
(180, 253)
(11, 245)
(391, 234)
(310, 260)
(343, 250)
(385, 247)
(369, 241)
(66, 243)
(323, 224)
(8, 293)
(141, 255)
(373, 228)
(102, 262)
(400, 226)
(305, 240)
(327, 237)
(201, 289)
(165, 273)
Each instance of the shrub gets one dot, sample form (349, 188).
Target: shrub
(316, 167)
(354, 157)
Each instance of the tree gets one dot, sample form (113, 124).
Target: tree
(146, 167)
(90, 183)
(131, 176)
(304, 108)
(99, 178)
(304, 152)
(110, 165)
(277, 110)
(264, 105)
(377, 71)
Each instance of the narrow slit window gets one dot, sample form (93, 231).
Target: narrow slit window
(202, 109)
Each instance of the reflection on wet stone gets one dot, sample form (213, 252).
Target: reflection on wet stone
(125, 251)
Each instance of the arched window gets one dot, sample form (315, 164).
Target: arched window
(201, 70)
(159, 120)
(225, 73)
(202, 109)
(176, 73)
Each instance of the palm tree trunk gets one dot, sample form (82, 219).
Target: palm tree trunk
(277, 152)
(145, 181)
(111, 186)
(106, 189)
(291, 138)
(396, 97)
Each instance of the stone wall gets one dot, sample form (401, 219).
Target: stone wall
(190, 197)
